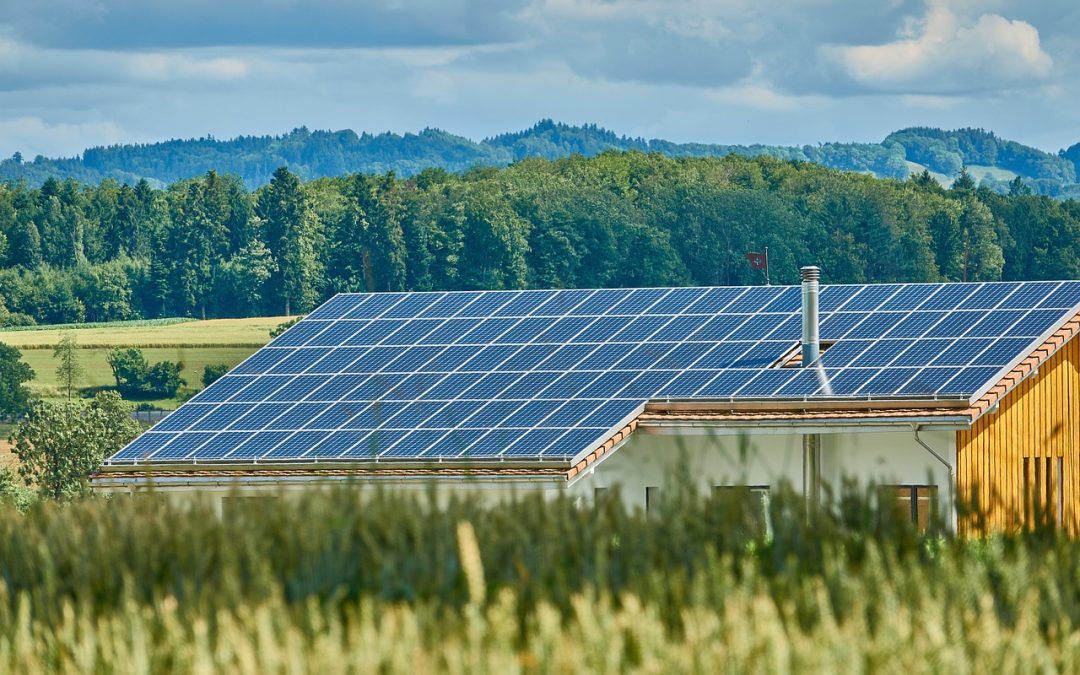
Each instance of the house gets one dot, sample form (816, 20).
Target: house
(936, 390)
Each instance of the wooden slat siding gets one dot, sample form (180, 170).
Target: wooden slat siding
(1039, 419)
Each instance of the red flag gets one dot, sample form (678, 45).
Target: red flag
(758, 261)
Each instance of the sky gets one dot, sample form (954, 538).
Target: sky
(81, 73)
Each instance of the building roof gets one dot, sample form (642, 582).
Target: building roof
(550, 376)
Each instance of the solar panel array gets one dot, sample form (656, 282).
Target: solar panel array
(543, 375)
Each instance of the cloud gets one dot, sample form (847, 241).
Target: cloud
(38, 137)
(941, 53)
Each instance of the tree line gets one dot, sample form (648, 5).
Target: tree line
(209, 247)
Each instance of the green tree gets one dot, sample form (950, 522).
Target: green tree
(212, 372)
(291, 231)
(70, 369)
(14, 396)
(60, 444)
(129, 367)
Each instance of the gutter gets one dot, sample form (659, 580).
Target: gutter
(948, 467)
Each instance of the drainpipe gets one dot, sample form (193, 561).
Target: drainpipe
(811, 349)
(948, 467)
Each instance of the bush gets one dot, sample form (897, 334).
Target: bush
(284, 326)
(135, 377)
(213, 372)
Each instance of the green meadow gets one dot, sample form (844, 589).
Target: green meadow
(194, 343)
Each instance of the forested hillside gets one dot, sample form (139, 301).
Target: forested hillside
(209, 247)
(993, 162)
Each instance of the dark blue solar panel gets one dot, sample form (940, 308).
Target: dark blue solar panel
(881, 353)
(677, 301)
(726, 383)
(374, 444)
(566, 357)
(414, 445)
(221, 445)
(832, 298)
(995, 323)
(562, 303)
(337, 306)
(337, 443)
(412, 332)
(915, 325)
(534, 443)
(298, 388)
(871, 297)
(927, 381)
(569, 384)
(648, 383)
(875, 325)
(296, 445)
(454, 443)
(299, 361)
(638, 301)
(646, 356)
(909, 297)
(836, 326)
(261, 361)
(969, 380)
(411, 305)
(375, 332)
(949, 296)
(375, 305)
(450, 359)
(961, 352)
(767, 382)
(715, 300)
(1035, 323)
(143, 446)
(181, 419)
(257, 445)
(224, 415)
(1066, 296)
(222, 389)
(530, 385)
(300, 333)
(521, 304)
(447, 306)
(988, 296)
(336, 334)
(413, 368)
(182, 446)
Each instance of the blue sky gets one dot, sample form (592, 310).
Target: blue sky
(77, 73)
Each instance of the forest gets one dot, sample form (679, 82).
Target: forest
(209, 247)
(317, 154)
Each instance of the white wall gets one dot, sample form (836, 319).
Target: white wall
(770, 458)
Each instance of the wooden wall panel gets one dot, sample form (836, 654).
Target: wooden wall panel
(1038, 420)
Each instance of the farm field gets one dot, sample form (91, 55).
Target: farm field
(380, 583)
(194, 343)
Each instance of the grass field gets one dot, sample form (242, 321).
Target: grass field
(340, 582)
(194, 343)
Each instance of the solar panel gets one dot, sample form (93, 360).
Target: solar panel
(540, 375)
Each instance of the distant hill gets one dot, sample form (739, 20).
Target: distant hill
(313, 154)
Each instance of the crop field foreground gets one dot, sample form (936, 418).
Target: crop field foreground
(355, 582)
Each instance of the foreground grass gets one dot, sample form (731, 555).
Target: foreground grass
(338, 583)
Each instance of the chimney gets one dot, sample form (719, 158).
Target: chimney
(810, 341)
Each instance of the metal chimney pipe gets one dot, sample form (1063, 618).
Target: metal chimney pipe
(811, 348)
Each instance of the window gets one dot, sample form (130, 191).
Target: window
(1044, 494)
(914, 502)
(652, 498)
(752, 501)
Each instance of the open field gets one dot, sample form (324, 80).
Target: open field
(194, 343)
(338, 582)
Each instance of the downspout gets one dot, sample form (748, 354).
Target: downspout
(948, 467)
(811, 350)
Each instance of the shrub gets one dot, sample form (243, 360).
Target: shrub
(135, 377)
(213, 372)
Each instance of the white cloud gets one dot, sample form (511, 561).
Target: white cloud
(34, 136)
(945, 53)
